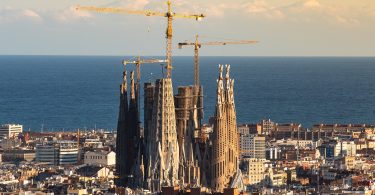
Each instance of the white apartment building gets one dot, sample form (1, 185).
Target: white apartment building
(273, 152)
(93, 143)
(345, 148)
(103, 158)
(295, 142)
(10, 130)
(68, 152)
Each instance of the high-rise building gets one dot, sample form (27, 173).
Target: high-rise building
(10, 130)
(162, 145)
(225, 149)
(253, 146)
(68, 152)
(47, 153)
(57, 153)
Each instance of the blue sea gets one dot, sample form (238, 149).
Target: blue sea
(69, 92)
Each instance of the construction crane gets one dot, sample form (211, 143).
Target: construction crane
(169, 15)
(197, 45)
(138, 62)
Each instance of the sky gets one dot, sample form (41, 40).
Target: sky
(283, 28)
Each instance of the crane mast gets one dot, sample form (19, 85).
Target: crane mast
(169, 32)
(196, 62)
(169, 35)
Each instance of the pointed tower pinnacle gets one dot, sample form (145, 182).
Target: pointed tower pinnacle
(224, 159)
(163, 136)
(133, 134)
(233, 148)
(121, 163)
(132, 86)
(124, 85)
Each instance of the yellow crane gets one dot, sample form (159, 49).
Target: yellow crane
(169, 15)
(197, 45)
(138, 62)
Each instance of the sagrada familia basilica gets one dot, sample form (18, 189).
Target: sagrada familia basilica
(170, 150)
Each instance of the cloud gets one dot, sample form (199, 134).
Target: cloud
(371, 13)
(71, 14)
(317, 11)
(9, 14)
(312, 4)
(131, 4)
(138, 4)
(298, 11)
(219, 10)
(303, 11)
(263, 9)
(32, 14)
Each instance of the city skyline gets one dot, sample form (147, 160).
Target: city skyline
(308, 27)
(195, 131)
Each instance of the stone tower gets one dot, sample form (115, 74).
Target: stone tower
(187, 122)
(224, 158)
(149, 90)
(233, 147)
(133, 120)
(121, 133)
(162, 146)
(128, 134)
(133, 142)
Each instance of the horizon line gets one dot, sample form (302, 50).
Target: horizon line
(256, 56)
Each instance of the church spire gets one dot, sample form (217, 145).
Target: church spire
(224, 140)
(220, 88)
(121, 162)
(124, 85)
(132, 86)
